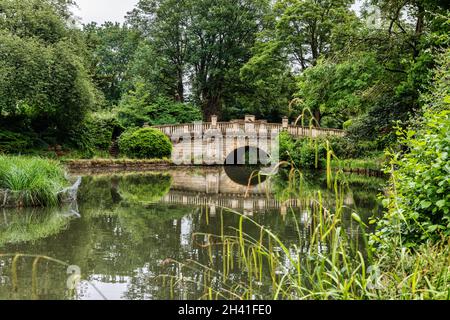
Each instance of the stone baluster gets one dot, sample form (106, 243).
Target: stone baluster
(285, 123)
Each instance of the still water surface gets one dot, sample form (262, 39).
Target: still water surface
(126, 231)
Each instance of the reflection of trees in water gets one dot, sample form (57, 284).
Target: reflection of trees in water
(360, 192)
(123, 237)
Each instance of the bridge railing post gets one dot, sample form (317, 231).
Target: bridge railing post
(214, 122)
(285, 123)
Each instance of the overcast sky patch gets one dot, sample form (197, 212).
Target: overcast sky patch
(101, 11)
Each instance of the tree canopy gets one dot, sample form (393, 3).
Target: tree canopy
(176, 61)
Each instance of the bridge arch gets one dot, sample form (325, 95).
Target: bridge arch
(247, 155)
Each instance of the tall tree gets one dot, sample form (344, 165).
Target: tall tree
(43, 72)
(112, 49)
(305, 27)
(164, 24)
(221, 34)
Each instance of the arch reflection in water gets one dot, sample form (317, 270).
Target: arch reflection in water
(129, 233)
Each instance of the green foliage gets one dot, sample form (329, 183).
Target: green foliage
(104, 127)
(31, 182)
(207, 40)
(145, 143)
(33, 19)
(42, 70)
(270, 85)
(307, 28)
(420, 190)
(438, 96)
(112, 48)
(311, 153)
(138, 108)
(11, 142)
(304, 153)
(418, 203)
(338, 91)
(95, 133)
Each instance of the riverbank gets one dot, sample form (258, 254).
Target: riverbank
(116, 164)
(368, 167)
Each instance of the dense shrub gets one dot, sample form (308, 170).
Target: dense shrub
(138, 108)
(104, 127)
(304, 153)
(349, 147)
(145, 143)
(12, 142)
(419, 203)
(95, 133)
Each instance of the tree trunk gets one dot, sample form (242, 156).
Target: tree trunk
(180, 86)
(211, 107)
(318, 117)
(419, 29)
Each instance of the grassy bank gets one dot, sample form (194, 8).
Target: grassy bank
(30, 181)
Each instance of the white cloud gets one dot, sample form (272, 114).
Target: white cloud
(101, 11)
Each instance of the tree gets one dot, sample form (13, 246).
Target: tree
(44, 86)
(221, 34)
(112, 48)
(340, 90)
(198, 46)
(305, 27)
(164, 24)
(270, 84)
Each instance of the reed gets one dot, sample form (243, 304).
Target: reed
(328, 260)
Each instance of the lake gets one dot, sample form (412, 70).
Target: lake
(151, 235)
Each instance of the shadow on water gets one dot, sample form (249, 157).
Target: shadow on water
(133, 227)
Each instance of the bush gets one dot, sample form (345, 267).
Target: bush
(138, 108)
(145, 143)
(11, 142)
(344, 147)
(95, 133)
(419, 202)
(303, 153)
(104, 127)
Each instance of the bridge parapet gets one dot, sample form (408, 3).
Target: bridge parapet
(248, 125)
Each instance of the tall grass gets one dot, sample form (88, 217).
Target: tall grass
(330, 262)
(30, 181)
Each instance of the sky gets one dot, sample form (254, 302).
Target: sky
(114, 10)
(103, 10)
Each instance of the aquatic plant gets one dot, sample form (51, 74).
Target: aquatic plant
(334, 260)
(30, 181)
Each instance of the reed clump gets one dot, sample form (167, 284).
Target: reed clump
(334, 256)
(30, 181)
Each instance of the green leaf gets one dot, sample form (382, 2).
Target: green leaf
(441, 203)
(425, 204)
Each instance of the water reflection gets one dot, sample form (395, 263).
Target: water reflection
(133, 227)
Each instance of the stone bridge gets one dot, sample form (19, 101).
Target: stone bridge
(218, 143)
